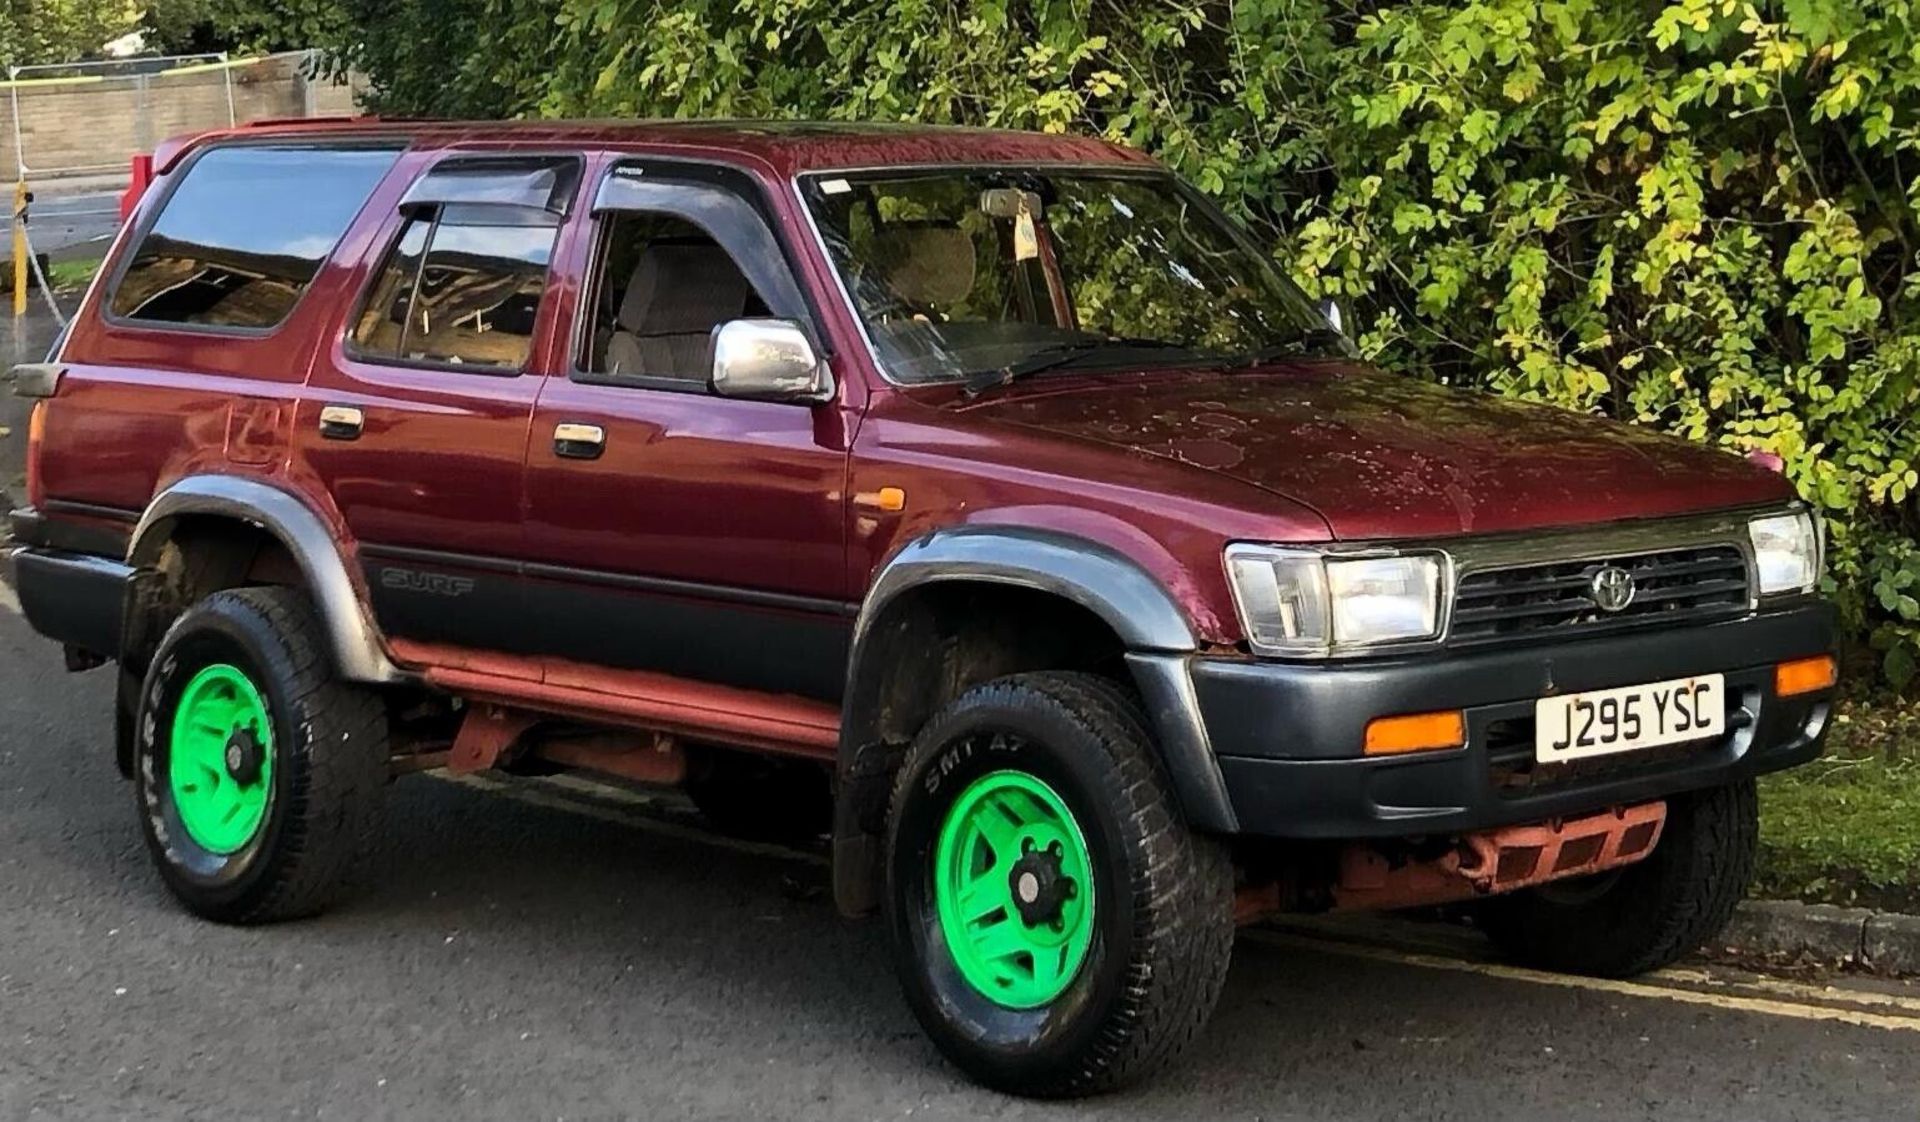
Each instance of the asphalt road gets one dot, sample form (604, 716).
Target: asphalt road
(538, 949)
(72, 225)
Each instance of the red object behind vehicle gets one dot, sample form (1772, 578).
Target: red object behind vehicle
(137, 186)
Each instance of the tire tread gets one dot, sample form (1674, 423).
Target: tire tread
(1659, 911)
(1182, 903)
(331, 821)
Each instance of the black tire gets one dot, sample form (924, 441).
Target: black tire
(1649, 914)
(329, 761)
(1161, 944)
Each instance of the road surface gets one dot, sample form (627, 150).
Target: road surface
(544, 949)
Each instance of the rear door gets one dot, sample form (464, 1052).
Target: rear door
(415, 417)
(670, 529)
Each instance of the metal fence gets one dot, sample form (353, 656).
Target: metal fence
(88, 118)
(74, 128)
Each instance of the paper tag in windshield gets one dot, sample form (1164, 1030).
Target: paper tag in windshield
(1026, 240)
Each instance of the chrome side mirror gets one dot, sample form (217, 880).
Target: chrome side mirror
(768, 360)
(1330, 309)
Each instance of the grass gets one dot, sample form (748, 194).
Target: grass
(63, 276)
(1846, 828)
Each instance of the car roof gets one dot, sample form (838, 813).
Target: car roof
(785, 148)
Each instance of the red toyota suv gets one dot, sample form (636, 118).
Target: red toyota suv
(987, 501)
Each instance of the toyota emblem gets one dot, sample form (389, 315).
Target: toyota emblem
(1612, 589)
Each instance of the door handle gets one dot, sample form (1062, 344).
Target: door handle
(579, 442)
(341, 422)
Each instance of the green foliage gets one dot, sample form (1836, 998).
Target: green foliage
(71, 276)
(443, 58)
(33, 32)
(243, 26)
(1697, 214)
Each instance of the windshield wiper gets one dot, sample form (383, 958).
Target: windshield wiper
(1318, 341)
(1059, 354)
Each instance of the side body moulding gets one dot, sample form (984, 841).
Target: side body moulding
(356, 643)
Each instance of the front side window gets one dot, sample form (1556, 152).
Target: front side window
(245, 232)
(968, 272)
(663, 285)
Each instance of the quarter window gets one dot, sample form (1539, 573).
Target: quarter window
(244, 234)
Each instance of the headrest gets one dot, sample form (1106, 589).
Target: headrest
(681, 287)
(928, 265)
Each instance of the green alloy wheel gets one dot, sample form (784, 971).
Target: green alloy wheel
(259, 776)
(221, 763)
(1056, 927)
(1014, 889)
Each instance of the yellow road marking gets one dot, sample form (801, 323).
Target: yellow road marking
(8, 601)
(1797, 990)
(1768, 1006)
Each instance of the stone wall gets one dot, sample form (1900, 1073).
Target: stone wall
(96, 127)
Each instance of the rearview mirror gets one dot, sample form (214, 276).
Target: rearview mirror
(1010, 202)
(768, 360)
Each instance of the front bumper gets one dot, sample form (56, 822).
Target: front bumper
(1285, 739)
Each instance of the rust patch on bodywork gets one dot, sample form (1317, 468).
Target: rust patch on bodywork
(636, 699)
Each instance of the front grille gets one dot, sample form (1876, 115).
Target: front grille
(1675, 586)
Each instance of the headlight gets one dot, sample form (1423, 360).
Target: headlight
(1786, 552)
(1302, 602)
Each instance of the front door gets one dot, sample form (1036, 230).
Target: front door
(669, 529)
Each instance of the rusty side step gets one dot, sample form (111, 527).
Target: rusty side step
(632, 698)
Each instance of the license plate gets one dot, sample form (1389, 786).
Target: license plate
(1576, 725)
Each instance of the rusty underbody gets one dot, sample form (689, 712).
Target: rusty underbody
(1371, 877)
(643, 722)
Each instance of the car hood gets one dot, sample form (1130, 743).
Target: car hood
(1387, 456)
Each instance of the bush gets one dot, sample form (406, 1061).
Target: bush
(1694, 215)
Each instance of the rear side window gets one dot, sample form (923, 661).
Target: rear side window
(245, 232)
(457, 290)
(462, 284)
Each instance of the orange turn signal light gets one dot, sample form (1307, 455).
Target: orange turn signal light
(886, 498)
(1416, 732)
(1805, 675)
(36, 444)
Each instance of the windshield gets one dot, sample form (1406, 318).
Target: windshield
(968, 272)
